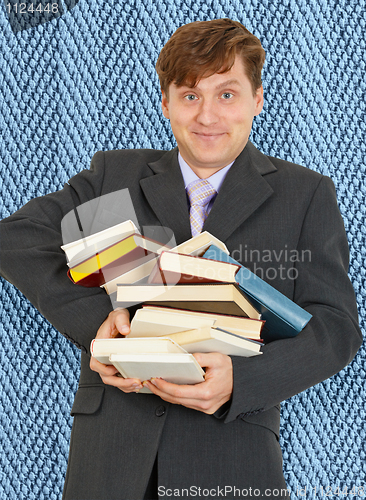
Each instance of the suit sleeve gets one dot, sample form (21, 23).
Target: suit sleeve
(32, 260)
(332, 337)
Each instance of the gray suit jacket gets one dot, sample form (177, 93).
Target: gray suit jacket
(279, 219)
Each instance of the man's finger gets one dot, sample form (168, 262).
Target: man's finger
(124, 384)
(193, 403)
(118, 321)
(108, 374)
(122, 321)
(206, 359)
(105, 370)
(178, 392)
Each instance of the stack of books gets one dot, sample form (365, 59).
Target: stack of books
(119, 253)
(195, 298)
(145, 358)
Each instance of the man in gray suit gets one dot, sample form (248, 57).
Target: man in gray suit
(217, 439)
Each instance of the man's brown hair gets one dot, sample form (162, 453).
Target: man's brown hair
(202, 48)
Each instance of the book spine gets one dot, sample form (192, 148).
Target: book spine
(92, 347)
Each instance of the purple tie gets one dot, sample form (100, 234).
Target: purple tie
(200, 192)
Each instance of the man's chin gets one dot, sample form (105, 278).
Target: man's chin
(209, 155)
(205, 167)
(213, 160)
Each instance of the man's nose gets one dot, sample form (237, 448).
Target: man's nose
(207, 113)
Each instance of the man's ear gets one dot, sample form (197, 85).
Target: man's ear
(259, 100)
(165, 104)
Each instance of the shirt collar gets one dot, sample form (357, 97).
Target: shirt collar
(189, 176)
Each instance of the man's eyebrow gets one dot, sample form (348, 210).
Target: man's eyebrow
(227, 83)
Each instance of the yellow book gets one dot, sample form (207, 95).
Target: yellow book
(115, 260)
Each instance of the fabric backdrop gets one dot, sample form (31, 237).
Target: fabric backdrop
(85, 81)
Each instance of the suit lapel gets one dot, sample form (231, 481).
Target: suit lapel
(242, 192)
(166, 195)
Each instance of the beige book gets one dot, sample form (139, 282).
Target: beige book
(216, 340)
(173, 267)
(147, 323)
(181, 320)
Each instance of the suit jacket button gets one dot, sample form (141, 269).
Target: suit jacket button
(160, 410)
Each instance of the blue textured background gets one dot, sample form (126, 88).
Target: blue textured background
(84, 82)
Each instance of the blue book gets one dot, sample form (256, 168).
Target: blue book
(283, 318)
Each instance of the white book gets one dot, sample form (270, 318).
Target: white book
(81, 249)
(101, 349)
(176, 368)
(145, 358)
(150, 323)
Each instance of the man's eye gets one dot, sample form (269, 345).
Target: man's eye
(227, 95)
(190, 97)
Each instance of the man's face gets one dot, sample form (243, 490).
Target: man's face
(212, 121)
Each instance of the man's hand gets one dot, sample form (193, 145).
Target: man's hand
(208, 396)
(117, 323)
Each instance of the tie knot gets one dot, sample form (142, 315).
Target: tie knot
(200, 192)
